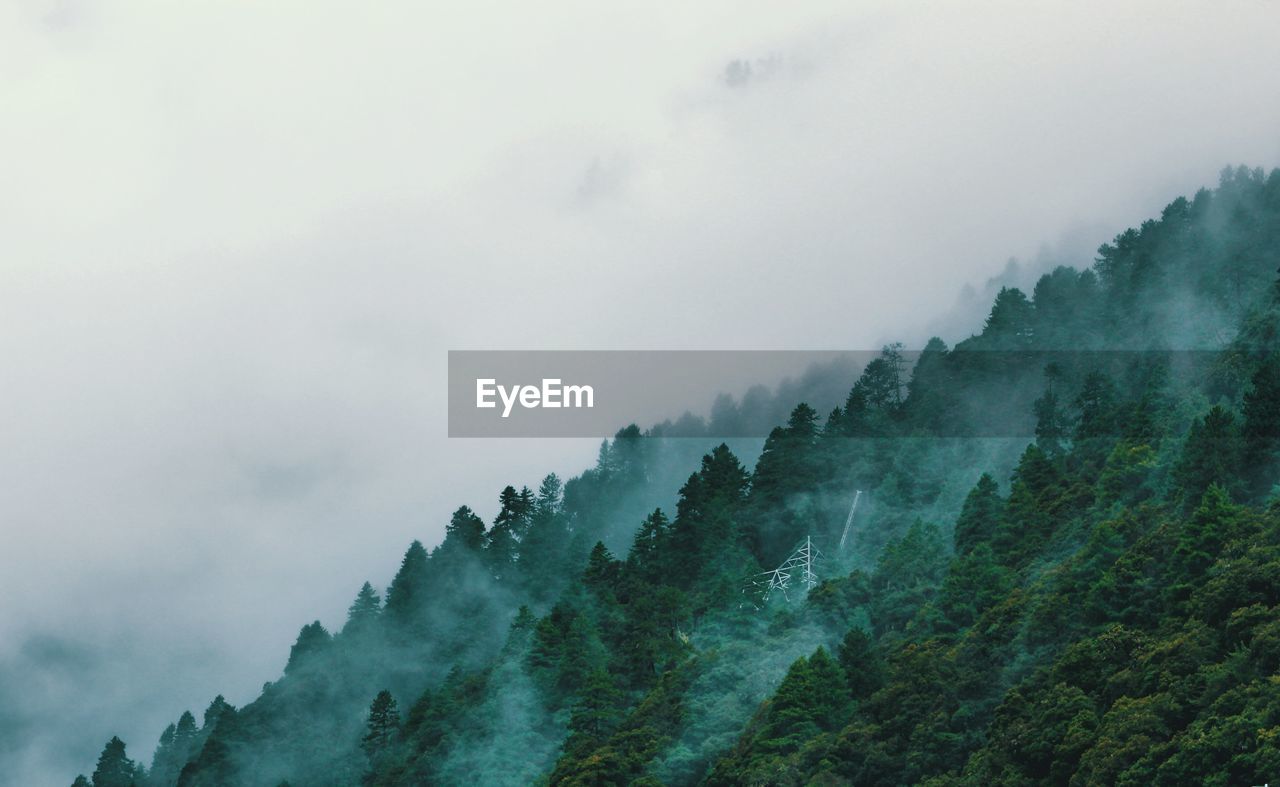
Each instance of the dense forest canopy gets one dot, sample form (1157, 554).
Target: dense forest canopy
(1059, 572)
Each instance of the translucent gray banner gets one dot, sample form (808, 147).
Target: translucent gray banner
(746, 393)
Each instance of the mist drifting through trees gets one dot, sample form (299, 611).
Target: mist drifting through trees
(1098, 602)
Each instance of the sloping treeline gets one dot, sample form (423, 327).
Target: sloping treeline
(1099, 606)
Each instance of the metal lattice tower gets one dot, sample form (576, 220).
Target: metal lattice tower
(796, 570)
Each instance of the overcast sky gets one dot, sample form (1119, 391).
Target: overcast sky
(237, 240)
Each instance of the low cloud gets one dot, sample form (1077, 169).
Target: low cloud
(240, 239)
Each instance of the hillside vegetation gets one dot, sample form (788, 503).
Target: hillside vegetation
(1064, 569)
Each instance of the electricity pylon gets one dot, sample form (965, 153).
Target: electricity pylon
(796, 570)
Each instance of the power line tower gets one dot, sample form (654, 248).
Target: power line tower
(796, 571)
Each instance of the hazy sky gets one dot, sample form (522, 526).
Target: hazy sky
(238, 239)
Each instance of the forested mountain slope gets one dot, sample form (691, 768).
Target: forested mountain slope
(1064, 569)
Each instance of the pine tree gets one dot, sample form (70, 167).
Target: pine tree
(725, 480)
(167, 760)
(364, 611)
(1262, 428)
(601, 567)
(543, 549)
(182, 739)
(502, 550)
(1211, 526)
(831, 704)
(792, 717)
(930, 405)
(312, 640)
(863, 670)
(907, 574)
(706, 512)
(1096, 403)
(1051, 421)
(185, 732)
(550, 495)
(214, 765)
(383, 725)
(645, 557)
(520, 632)
(1009, 326)
(1026, 523)
(165, 745)
(974, 583)
(213, 714)
(465, 530)
(596, 713)
(787, 466)
(881, 381)
(876, 400)
(1211, 455)
(581, 654)
(628, 456)
(407, 593)
(114, 769)
(726, 418)
(979, 516)
(1065, 308)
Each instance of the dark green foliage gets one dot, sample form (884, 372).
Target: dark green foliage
(907, 576)
(979, 516)
(595, 715)
(566, 648)
(704, 534)
(407, 591)
(863, 669)
(213, 762)
(602, 569)
(1127, 474)
(214, 765)
(542, 552)
(503, 545)
(312, 642)
(1052, 427)
(876, 399)
(787, 468)
(1031, 512)
(645, 558)
(1210, 456)
(465, 530)
(114, 769)
(177, 746)
(213, 714)
(811, 701)
(1010, 326)
(1096, 405)
(931, 403)
(975, 582)
(383, 725)
(1262, 428)
(363, 614)
(1213, 524)
(1114, 620)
